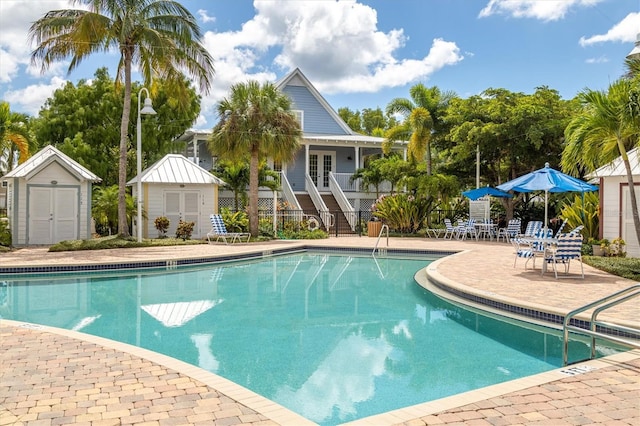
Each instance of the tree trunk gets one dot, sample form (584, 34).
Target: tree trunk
(253, 191)
(123, 225)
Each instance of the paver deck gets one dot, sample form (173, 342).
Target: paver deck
(50, 376)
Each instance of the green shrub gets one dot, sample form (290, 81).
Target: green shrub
(5, 233)
(184, 230)
(162, 225)
(626, 267)
(402, 212)
(235, 221)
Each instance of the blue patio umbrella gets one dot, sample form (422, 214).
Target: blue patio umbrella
(474, 194)
(547, 180)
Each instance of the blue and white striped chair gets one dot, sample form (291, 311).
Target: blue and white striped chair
(219, 231)
(531, 247)
(533, 226)
(568, 248)
(511, 231)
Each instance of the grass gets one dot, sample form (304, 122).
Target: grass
(626, 267)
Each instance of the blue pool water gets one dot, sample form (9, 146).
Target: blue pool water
(331, 337)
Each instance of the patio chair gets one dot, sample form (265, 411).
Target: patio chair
(567, 248)
(531, 247)
(577, 230)
(469, 229)
(511, 231)
(450, 230)
(559, 231)
(219, 232)
(533, 226)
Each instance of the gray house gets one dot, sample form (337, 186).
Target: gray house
(318, 180)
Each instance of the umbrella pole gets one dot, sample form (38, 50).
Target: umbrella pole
(546, 211)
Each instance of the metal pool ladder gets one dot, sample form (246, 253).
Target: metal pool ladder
(600, 305)
(384, 226)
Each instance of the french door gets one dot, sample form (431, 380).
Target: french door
(321, 163)
(185, 206)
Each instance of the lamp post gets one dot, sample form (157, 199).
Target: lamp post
(147, 109)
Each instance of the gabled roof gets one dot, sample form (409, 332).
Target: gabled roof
(176, 168)
(46, 156)
(297, 78)
(616, 167)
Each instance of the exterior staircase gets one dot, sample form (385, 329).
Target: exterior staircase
(329, 200)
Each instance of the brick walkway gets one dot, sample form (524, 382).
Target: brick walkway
(51, 376)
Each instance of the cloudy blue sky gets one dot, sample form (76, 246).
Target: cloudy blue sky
(363, 53)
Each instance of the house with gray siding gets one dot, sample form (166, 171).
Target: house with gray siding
(318, 180)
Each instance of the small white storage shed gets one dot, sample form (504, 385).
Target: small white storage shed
(49, 199)
(178, 189)
(616, 219)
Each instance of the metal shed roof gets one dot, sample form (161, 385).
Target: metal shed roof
(47, 155)
(176, 168)
(616, 167)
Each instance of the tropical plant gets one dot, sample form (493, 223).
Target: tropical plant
(104, 209)
(607, 127)
(422, 116)
(5, 234)
(162, 225)
(402, 212)
(369, 175)
(583, 210)
(16, 143)
(160, 36)
(184, 230)
(237, 221)
(255, 123)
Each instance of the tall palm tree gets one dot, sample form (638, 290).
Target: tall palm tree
(422, 116)
(255, 123)
(161, 36)
(606, 129)
(15, 139)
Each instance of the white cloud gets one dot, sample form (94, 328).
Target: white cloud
(624, 31)
(545, 10)
(600, 60)
(31, 98)
(204, 17)
(336, 44)
(15, 19)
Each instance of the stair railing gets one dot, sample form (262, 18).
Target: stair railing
(348, 210)
(318, 202)
(600, 305)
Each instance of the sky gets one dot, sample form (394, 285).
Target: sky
(364, 53)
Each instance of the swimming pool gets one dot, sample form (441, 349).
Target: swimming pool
(332, 337)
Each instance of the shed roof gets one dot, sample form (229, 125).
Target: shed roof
(176, 168)
(616, 167)
(47, 155)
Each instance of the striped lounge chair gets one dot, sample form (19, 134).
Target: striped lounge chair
(219, 232)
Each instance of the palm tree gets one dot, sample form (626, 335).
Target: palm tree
(15, 139)
(422, 116)
(255, 122)
(606, 129)
(161, 36)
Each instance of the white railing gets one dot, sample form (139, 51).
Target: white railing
(343, 202)
(287, 192)
(346, 185)
(318, 202)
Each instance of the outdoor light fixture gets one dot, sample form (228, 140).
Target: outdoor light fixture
(147, 109)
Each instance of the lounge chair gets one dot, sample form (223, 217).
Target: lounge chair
(219, 232)
(450, 230)
(469, 230)
(511, 231)
(567, 248)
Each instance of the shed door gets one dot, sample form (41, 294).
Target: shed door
(182, 205)
(53, 215)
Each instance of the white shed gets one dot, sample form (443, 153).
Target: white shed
(616, 219)
(178, 189)
(49, 199)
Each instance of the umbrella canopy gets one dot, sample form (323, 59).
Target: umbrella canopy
(474, 194)
(547, 180)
